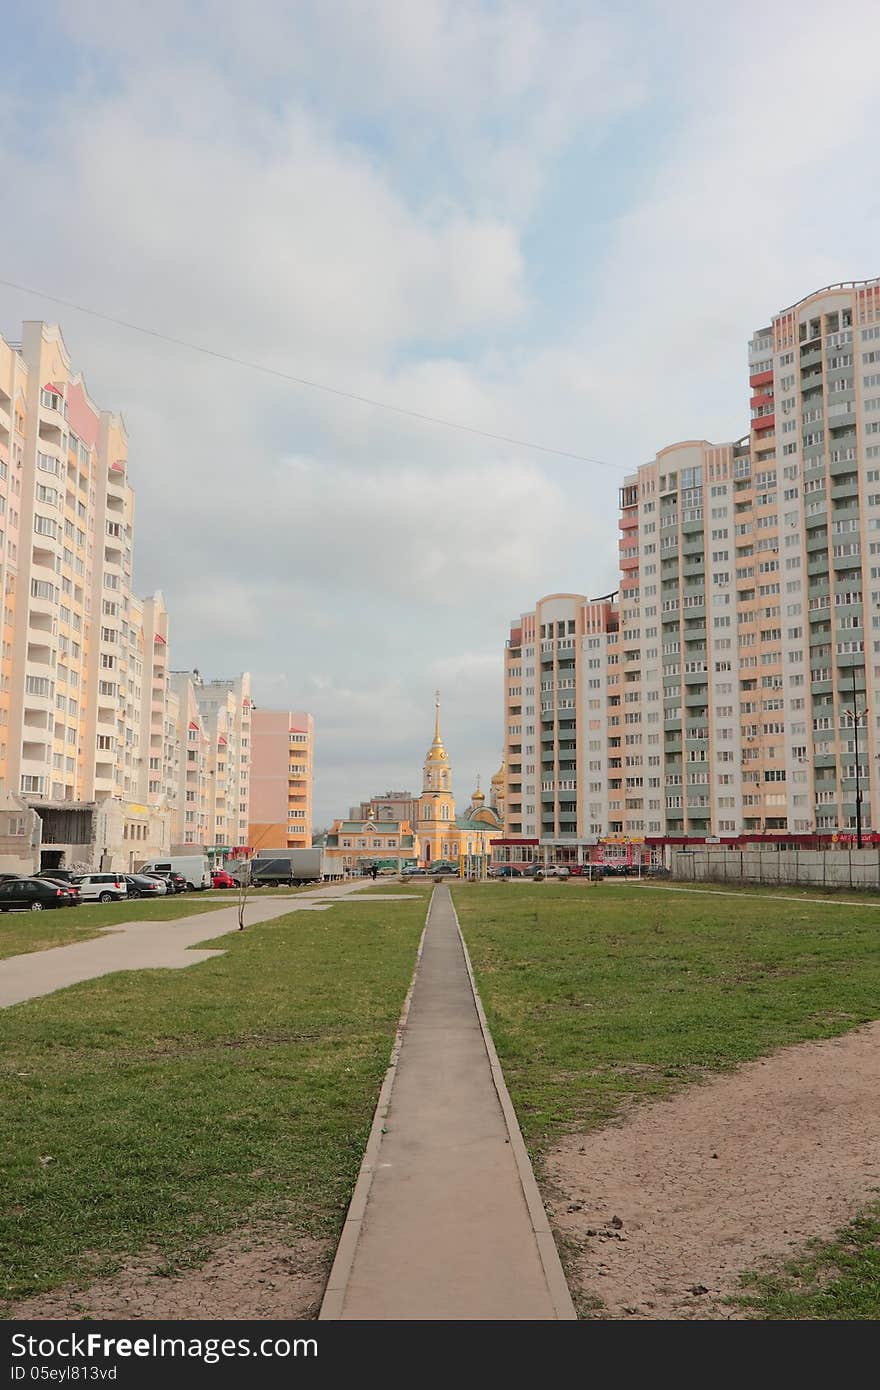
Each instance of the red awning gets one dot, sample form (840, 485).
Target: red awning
(160, 638)
(193, 725)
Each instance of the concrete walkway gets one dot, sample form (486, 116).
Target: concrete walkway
(446, 1221)
(145, 945)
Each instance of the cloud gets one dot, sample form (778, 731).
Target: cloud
(548, 222)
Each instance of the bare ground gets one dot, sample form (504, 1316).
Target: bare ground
(732, 1175)
(251, 1276)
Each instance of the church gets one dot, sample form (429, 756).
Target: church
(441, 834)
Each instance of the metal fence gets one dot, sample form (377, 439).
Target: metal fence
(834, 868)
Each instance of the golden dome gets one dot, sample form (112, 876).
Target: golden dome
(498, 777)
(478, 796)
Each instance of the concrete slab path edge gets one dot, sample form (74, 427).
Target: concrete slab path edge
(337, 1283)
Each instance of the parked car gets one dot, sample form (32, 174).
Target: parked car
(221, 879)
(58, 875)
(70, 888)
(174, 882)
(509, 871)
(417, 870)
(34, 895)
(194, 867)
(102, 888)
(531, 869)
(144, 886)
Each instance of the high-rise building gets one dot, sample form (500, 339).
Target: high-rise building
(190, 798)
(213, 731)
(733, 689)
(71, 693)
(282, 761)
(815, 379)
(557, 743)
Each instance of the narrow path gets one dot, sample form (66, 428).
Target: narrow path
(143, 945)
(445, 1222)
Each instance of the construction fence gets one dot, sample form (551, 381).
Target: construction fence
(851, 869)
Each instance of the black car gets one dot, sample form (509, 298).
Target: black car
(142, 886)
(35, 894)
(59, 875)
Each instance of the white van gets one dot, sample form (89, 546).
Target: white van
(195, 868)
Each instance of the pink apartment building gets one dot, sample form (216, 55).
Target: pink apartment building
(281, 779)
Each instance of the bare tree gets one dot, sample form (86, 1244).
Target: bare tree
(245, 882)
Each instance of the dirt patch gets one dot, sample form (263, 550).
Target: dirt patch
(250, 1277)
(661, 1213)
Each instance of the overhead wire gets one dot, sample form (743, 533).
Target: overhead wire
(310, 385)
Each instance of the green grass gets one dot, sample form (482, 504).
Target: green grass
(614, 993)
(394, 889)
(229, 895)
(603, 998)
(155, 1110)
(21, 932)
(860, 897)
(838, 1280)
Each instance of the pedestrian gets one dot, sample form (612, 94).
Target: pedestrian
(374, 872)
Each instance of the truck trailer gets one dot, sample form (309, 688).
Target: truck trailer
(274, 867)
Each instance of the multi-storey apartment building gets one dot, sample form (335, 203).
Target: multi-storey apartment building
(71, 691)
(734, 688)
(189, 827)
(213, 730)
(815, 376)
(282, 765)
(558, 741)
(394, 806)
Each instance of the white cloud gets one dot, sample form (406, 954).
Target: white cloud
(356, 193)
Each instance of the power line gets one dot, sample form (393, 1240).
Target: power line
(311, 385)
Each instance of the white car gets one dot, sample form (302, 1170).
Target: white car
(102, 888)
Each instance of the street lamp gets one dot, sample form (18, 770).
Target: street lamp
(857, 715)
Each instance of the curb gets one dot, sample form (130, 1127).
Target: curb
(337, 1282)
(552, 1265)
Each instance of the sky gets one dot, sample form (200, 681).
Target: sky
(559, 222)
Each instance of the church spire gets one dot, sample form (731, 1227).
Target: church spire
(436, 753)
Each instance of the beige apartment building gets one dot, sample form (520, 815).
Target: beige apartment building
(732, 686)
(558, 738)
(282, 766)
(389, 806)
(213, 731)
(72, 690)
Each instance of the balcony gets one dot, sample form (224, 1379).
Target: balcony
(761, 378)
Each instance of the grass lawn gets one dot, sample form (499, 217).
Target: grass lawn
(262, 891)
(861, 897)
(602, 994)
(157, 1109)
(614, 994)
(837, 1279)
(21, 932)
(393, 888)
